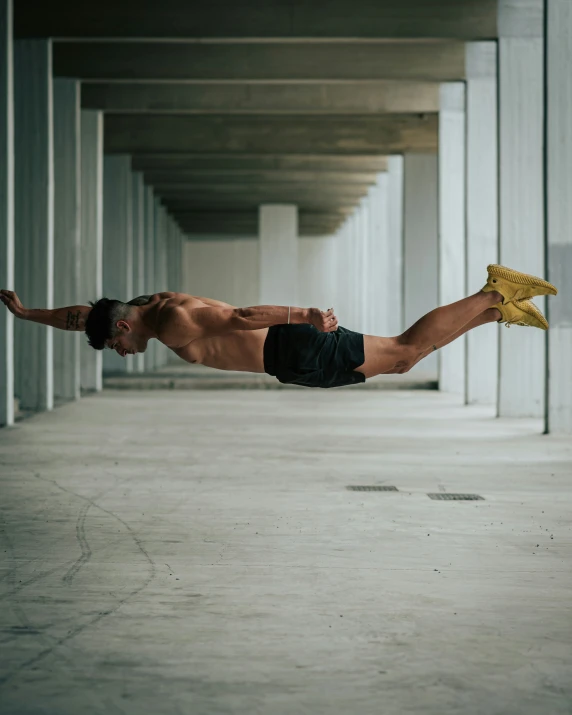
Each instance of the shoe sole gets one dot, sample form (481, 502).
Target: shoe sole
(512, 276)
(528, 307)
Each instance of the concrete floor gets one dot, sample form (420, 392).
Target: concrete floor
(199, 553)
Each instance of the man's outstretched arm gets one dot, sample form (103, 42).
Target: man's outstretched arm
(178, 325)
(72, 317)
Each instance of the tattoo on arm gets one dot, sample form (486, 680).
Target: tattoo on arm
(72, 321)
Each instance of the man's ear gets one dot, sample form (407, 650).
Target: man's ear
(123, 326)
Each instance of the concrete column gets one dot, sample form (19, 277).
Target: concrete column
(117, 243)
(559, 212)
(452, 245)
(379, 300)
(278, 236)
(91, 255)
(521, 194)
(138, 233)
(34, 219)
(149, 355)
(420, 248)
(482, 211)
(6, 211)
(395, 290)
(174, 260)
(67, 218)
(180, 250)
(161, 351)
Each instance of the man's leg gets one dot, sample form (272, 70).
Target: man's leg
(489, 316)
(437, 328)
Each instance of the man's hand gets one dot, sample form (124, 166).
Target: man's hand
(12, 302)
(324, 321)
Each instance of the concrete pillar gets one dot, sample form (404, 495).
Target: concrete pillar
(420, 247)
(138, 234)
(173, 257)
(379, 300)
(482, 212)
(6, 212)
(278, 236)
(149, 355)
(67, 217)
(343, 255)
(91, 255)
(34, 219)
(559, 212)
(395, 291)
(452, 253)
(161, 279)
(521, 194)
(117, 243)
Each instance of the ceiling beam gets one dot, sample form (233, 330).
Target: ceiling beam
(378, 97)
(312, 203)
(383, 134)
(270, 177)
(431, 61)
(245, 223)
(462, 19)
(248, 161)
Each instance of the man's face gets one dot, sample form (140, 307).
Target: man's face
(126, 342)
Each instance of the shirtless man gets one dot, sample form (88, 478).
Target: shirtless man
(303, 346)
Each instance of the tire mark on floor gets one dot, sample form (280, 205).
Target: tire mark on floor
(83, 544)
(94, 621)
(26, 626)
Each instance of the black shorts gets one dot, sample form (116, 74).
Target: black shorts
(302, 355)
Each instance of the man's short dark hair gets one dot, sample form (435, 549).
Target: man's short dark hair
(102, 321)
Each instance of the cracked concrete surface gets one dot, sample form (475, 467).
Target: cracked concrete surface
(198, 552)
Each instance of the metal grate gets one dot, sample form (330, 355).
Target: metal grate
(372, 488)
(443, 496)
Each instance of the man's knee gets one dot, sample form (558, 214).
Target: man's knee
(407, 358)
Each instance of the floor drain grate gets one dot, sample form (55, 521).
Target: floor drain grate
(372, 488)
(443, 496)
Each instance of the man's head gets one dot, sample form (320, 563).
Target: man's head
(116, 325)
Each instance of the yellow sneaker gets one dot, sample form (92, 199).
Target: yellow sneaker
(522, 312)
(513, 285)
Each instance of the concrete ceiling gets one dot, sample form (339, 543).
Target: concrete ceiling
(226, 105)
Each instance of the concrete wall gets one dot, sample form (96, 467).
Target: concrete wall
(420, 248)
(224, 269)
(317, 264)
(6, 211)
(278, 261)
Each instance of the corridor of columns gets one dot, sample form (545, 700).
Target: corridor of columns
(370, 156)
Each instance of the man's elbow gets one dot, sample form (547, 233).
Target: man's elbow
(238, 319)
